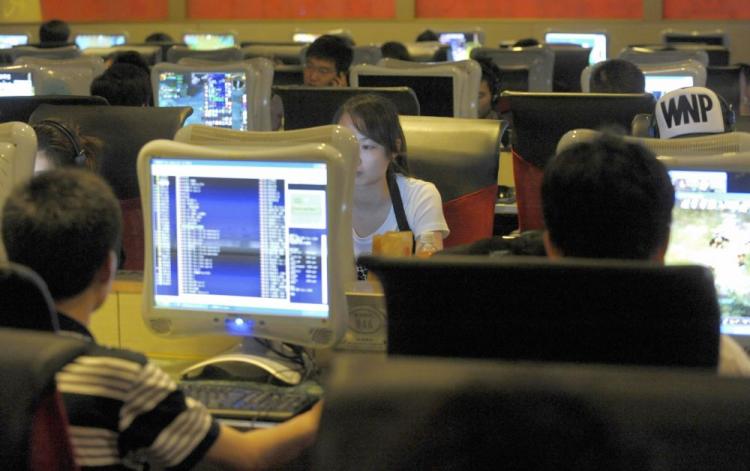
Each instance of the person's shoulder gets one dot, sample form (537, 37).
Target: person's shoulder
(411, 184)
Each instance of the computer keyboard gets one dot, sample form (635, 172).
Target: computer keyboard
(249, 400)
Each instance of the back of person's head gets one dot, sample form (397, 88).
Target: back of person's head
(61, 144)
(124, 85)
(692, 111)
(395, 50)
(526, 42)
(332, 48)
(490, 74)
(617, 76)
(159, 37)
(63, 224)
(607, 199)
(54, 32)
(427, 35)
(129, 57)
(376, 117)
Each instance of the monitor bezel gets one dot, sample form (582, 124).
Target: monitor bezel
(306, 331)
(249, 71)
(187, 34)
(589, 32)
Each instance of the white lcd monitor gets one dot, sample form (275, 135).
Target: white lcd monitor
(460, 44)
(658, 85)
(217, 94)
(16, 83)
(244, 241)
(85, 41)
(305, 38)
(9, 40)
(711, 226)
(597, 42)
(208, 41)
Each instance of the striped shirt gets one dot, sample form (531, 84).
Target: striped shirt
(125, 412)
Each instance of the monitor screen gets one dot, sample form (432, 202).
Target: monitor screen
(658, 85)
(460, 44)
(16, 84)
(85, 41)
(217, 98)
(434, 93)
(711, 227)
(597, 42)
(208, 41)
(305, 38)
(9, 40)
(272, 260)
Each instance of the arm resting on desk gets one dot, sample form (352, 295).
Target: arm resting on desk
(264, 448)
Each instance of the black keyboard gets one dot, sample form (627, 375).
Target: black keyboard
(248, 400)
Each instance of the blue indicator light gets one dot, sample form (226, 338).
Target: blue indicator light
(239, 326)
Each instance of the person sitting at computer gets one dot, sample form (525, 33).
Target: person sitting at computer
(489, 88)
(385, 198)
(123, 411)
(62, 145)
(612, 199)
(54, 33)
(123, 84)
(327, 62)
(616, 76)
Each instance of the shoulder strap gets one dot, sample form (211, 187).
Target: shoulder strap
(396, 201)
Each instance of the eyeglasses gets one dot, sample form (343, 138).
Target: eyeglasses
(321, 70)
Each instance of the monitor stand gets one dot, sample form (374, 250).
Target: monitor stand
(248, 361)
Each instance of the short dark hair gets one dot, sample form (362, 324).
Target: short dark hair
(159, 37)
(54, 31)
(607, 199)
(395, 50)
(332, 48)
(490, 73)
(427, 36)
(123, 84)
(616, 76)
(377, 118)
(56, 139)
(132, 58)
(526, 42)
(62, 224)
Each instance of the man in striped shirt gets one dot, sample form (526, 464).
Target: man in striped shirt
(124, 412)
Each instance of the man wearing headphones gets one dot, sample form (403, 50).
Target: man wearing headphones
(489, 89)
(61, 145)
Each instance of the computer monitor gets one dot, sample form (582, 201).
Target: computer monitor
(219, 95)
(438, 89)
(304, 38)
(460, 43)
(597, 42)
(87, 40)
(207, 41)
(16, 81)
(9, 40)
(715, 38)
(538, 60)
(711, 227)
(663, 78)
(658, 85)
(276, 272)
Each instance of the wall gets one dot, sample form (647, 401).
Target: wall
(23, 15)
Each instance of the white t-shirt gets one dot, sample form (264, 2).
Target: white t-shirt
(424, 213)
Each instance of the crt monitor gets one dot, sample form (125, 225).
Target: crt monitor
(208, 41)
(438, 89)
(244, 241)
(85, 41)
(658, 85)
(16, 82)
(597, 42)
(460, 44)
(9, 40)
(711, 227)
(217, 94)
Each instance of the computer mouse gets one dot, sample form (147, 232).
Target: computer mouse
(244, 367)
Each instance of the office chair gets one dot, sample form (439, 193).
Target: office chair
(461, 157)
(306, 107)
(17, 155)
(26, 302)
(540, 119)
(123, 130)
(228, 54)
(20, 108)
(288, 75)
(34, 434)
(425, 413)
(570, 60)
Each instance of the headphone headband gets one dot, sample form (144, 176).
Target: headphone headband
(79, 154)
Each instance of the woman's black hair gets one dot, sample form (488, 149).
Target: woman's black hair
(377, 118)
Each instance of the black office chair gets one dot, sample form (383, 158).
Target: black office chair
(34, 434)
(20, 108)
(26, 302)
(288, 75)
(570, 60)
(405, 413)
(123, 130)
(307, 107)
